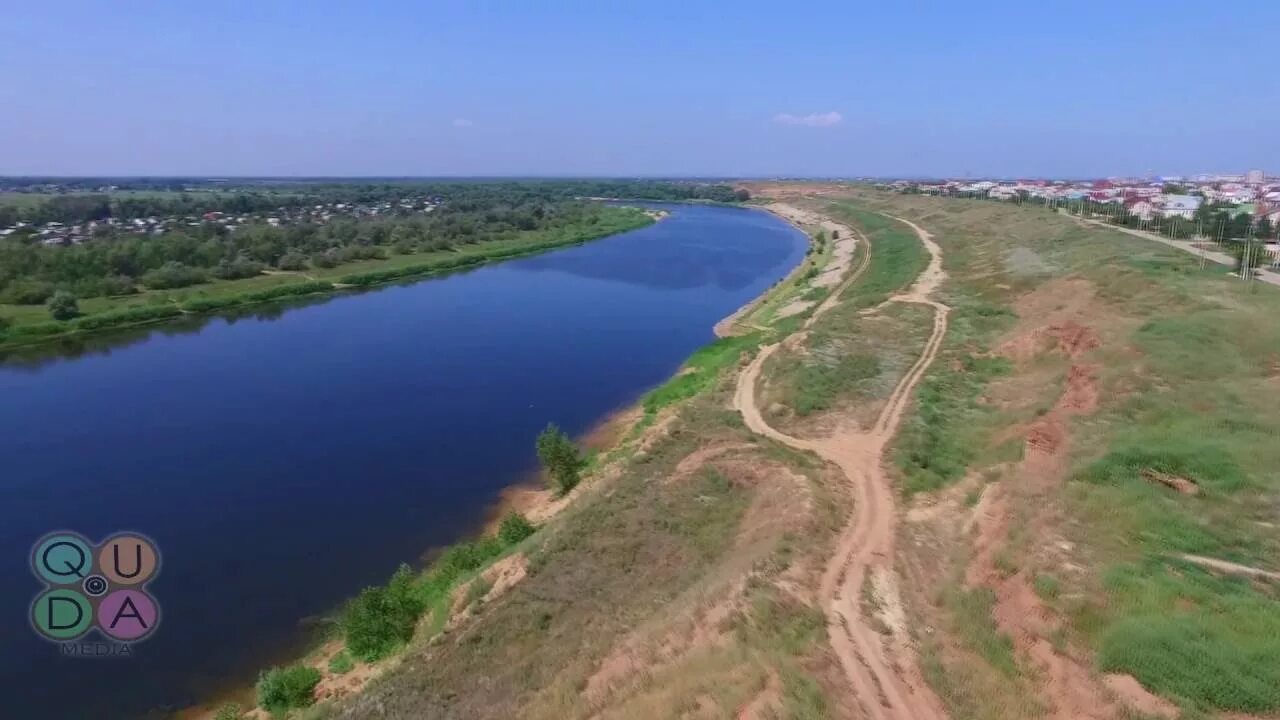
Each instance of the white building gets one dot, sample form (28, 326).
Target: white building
(1181, 205)
(1254, 177)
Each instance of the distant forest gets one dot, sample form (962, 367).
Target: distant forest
(117, 259)
(76, 201)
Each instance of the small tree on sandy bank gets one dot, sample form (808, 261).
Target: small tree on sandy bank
(560, 459)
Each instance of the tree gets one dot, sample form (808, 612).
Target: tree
(1256, 253)
(280, 689)
(382, 618)
(560, 459)
(1240, 226)
(514, 528)
(292, 260)
(63, 305)
(1263, 230)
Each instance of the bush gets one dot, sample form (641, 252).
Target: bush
(209, 304)
(465, 557)
(230, 711)
(341, 663)
(63, 306)
(174, 275)
(325, 259)
(237, 269)
(559, 458)
(292, 260)
(105, 286)
(281, 689)
(381, 619)
(306, 288)
(27, 292)
(1255, 252)
(514, 528)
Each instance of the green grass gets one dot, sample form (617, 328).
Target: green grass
(815, 383)
(802, 697)
(936, 443)
(1047, 586)
(897, 257)
(700, 371)
(1221, 649)
(341, 663)
(972, 613)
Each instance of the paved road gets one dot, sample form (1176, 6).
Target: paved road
(1270, 277)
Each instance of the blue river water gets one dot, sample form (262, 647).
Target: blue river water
(284, 460)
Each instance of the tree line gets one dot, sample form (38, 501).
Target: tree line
(142, 198)
(118, 261)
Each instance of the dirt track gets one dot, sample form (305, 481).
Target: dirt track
(885, 680)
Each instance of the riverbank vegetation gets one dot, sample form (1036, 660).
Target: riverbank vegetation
(132, 255)
(561, 461)
(365, 266)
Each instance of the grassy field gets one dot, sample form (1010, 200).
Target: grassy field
(1187, 369)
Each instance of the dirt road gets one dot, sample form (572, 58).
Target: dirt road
(884, 677)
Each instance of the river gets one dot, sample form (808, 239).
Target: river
(283, 461)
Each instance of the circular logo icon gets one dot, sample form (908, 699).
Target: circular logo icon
(62, 614)
(62, 559)
(127, 614)
(128, 559)
(95, 586)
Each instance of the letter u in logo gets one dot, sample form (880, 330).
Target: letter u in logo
(128, 559)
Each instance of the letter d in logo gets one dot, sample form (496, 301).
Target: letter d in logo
(61, 614)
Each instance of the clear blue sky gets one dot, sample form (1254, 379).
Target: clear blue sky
(657, 88)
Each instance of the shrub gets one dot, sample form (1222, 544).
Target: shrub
(325, 259)
(237, 269)
(281, 689)
(27, 292)
(174, 275)
(559, 458)
(105, 286)
(382, 618)
(341, 663)
(514, 528)
(63, 306)
(305, 288)
(230, 711)
(465, 557)
(209, 304)
(292, 260)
